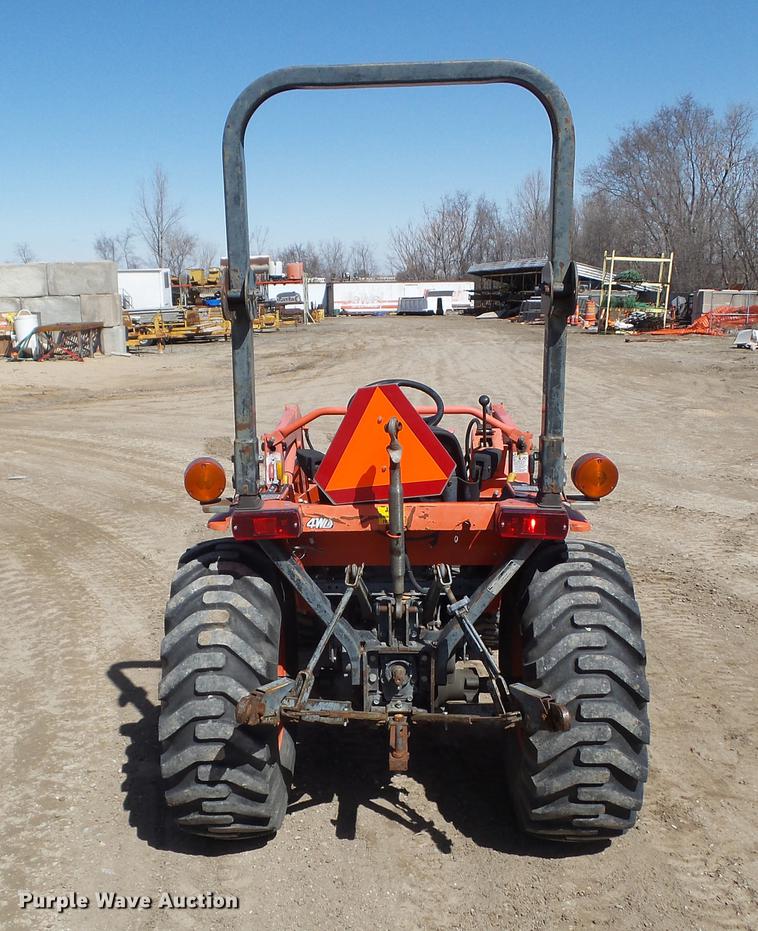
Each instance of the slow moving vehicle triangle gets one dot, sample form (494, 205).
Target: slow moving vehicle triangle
(355, 468)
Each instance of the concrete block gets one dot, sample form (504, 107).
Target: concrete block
(103, 307)
(81, 278)
(24, 280)
(10, 305)
(55, 309)
(113, 339)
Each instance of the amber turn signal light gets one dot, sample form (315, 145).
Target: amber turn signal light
(595, 475)
(204, 479)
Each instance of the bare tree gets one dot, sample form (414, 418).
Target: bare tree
(410, 261)
(306, 253)
(744, 215)
(205, 255)
(24, 253)
(602, 225)
(452, 236)
(741, 235)
(117, 248)
(529, 217)
(361, 260)
(686, 177)
(329, 258)
(333, 258)
(125, 243)
(258, 240)
(179, 246)
(156, 218)
(105, 248)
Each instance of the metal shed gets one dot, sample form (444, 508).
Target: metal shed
(503, 286)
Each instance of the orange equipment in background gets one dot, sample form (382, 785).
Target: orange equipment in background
(590, 313)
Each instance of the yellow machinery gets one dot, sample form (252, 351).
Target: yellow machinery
(268, 320)
(6, 333)
(204, 323)
(201, 323)
(144, 334)
(197, 277)
(274, 319)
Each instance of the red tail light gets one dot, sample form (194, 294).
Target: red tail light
(281, 523)
(533, 523)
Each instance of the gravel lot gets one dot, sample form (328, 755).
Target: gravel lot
(97, 517)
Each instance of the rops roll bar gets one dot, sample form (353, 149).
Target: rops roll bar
(558, 276)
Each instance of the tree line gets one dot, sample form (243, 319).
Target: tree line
(684, 181)
(332, 258)
(157, 226)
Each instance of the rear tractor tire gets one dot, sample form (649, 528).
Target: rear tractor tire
(578, 636)
(223, 624)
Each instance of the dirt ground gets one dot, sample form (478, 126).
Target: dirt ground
(94, 518)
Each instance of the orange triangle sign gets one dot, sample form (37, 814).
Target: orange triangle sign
(356, 469)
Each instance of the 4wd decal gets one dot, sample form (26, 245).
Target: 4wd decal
(320, 523)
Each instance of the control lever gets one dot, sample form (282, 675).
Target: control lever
(486, 409)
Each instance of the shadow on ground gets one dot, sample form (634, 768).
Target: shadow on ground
(461, 772)
(143, 795)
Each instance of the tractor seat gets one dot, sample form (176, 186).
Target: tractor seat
(452, 446)
(457, 488)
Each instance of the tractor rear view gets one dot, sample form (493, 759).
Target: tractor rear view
(399, 578)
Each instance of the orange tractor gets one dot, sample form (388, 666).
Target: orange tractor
(399, 578)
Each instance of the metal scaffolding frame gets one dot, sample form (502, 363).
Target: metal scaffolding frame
(663, 285)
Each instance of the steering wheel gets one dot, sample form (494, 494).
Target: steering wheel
(431, 421)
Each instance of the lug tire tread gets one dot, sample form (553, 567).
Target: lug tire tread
(222, 626)
(581, 641)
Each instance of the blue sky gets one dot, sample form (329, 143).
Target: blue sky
(93, 95)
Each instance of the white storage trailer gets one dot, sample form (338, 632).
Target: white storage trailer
(145, 289)
(358, 298)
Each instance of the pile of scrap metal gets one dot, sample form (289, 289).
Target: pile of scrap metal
(194, 323)
(24, 338)
(639, 320)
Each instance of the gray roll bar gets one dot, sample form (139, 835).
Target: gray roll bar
(559, 278)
